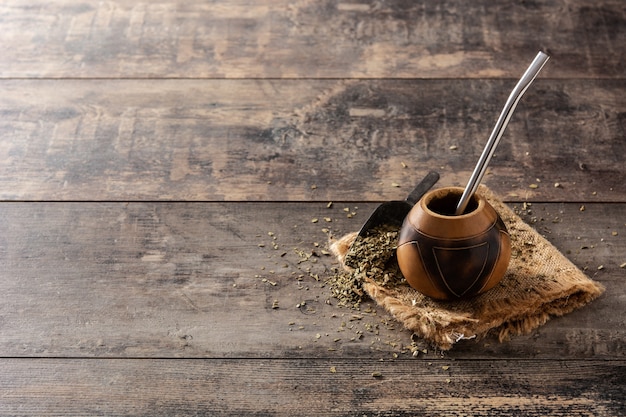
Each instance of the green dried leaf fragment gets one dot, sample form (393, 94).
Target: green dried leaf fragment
(373, 259)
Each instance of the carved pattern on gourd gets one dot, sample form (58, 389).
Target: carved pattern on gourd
(445, 260)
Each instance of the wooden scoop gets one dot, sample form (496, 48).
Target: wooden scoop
(392, 213)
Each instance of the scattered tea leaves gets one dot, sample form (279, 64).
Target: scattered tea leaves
(372, 258)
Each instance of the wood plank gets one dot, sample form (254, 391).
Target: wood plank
(309, 39)
(201, 280)
(161, 164)
(305, 140)
(312, 387)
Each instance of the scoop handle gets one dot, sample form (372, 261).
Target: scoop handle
(522, 85)
(426, 184)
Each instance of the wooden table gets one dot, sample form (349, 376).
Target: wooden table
(162, 164)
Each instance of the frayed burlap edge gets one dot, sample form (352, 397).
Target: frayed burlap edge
(540, 283)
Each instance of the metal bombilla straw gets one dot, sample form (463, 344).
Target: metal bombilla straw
(517, 93)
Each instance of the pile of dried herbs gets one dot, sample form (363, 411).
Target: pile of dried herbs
(372, 257)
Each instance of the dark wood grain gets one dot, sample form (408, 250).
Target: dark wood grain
(343, 387)
(310, 39)
(308, 140)
(201, 280)
(162, 164)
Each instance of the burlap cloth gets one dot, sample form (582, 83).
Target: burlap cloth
(540, 283)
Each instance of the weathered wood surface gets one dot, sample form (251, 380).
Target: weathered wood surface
(161, 163)
(200, 280)
(304, 140)
(309, 38)
(343, 387)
